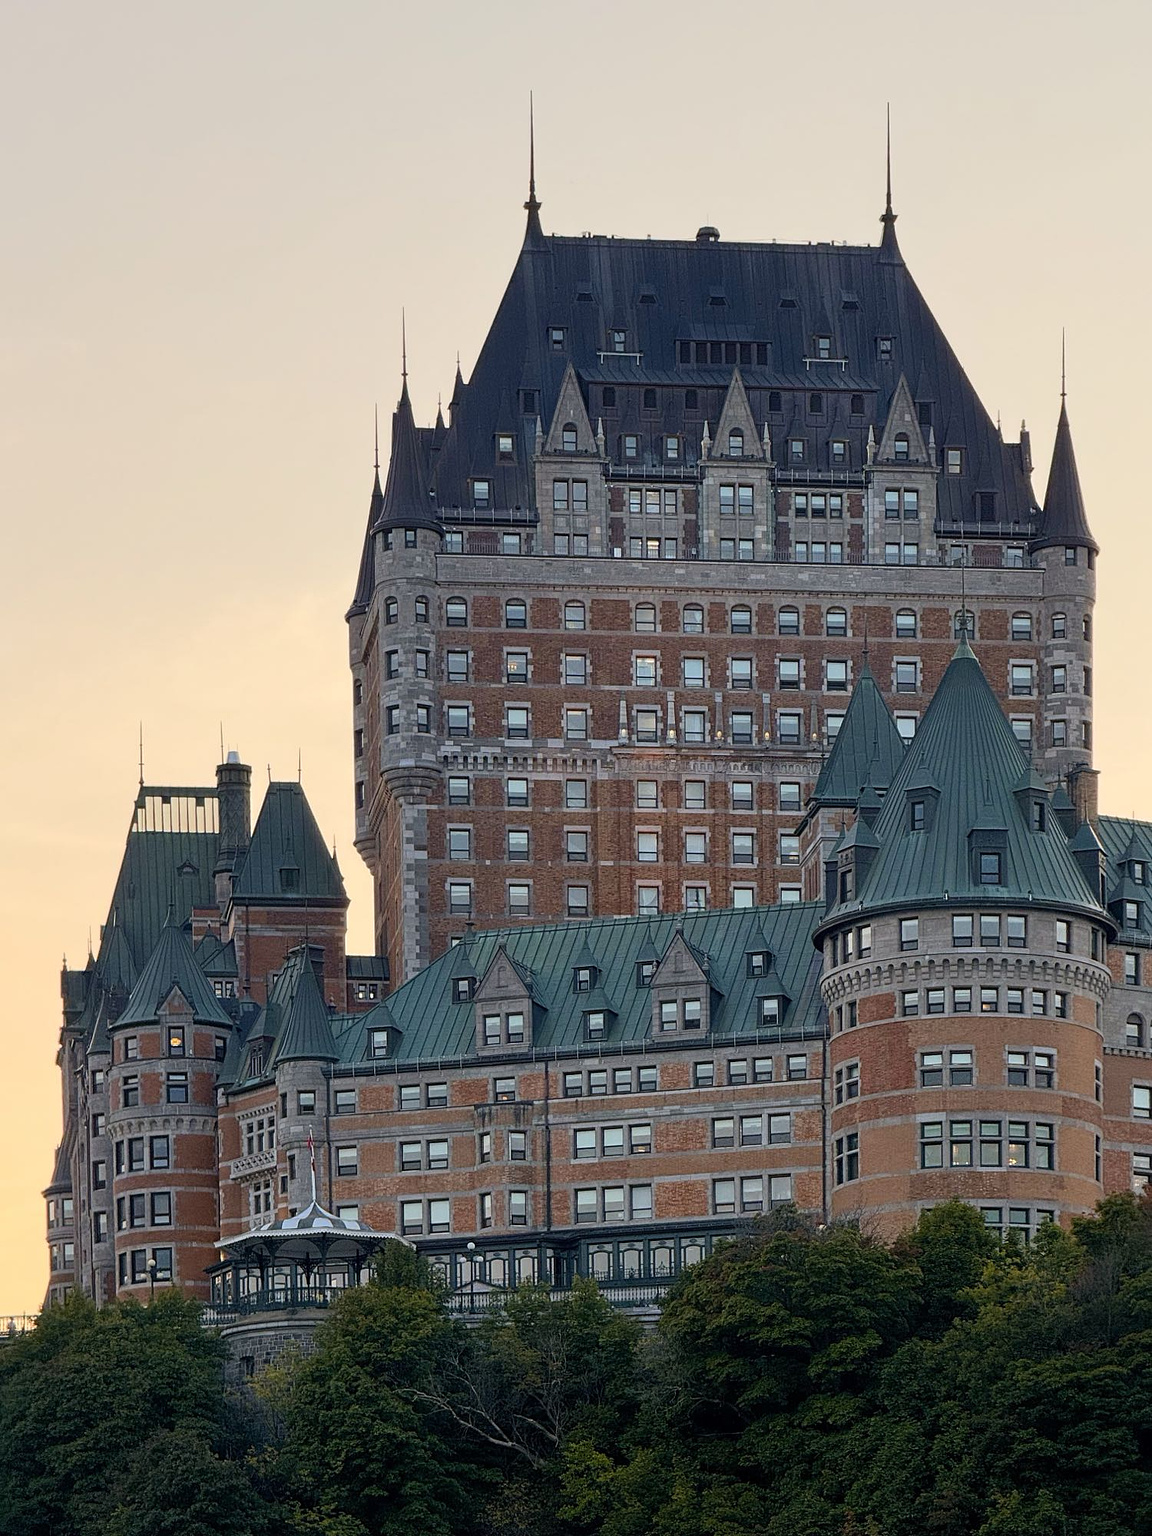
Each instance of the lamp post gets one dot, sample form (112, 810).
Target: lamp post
(151, 1267)
(471, 1276)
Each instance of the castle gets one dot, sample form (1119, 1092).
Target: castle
(722, 755)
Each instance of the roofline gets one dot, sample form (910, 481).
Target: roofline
(789, 247)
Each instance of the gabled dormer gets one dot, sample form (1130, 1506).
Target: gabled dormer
(1031, 795)
(855, 853)
(682, 992)
(462, 977)
(736, 435)
(772, 1001)
(571, 430)
(922, 800)
(506, 1005)
(902, 441)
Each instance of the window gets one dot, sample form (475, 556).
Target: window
(517, 722)
(846, 1082)
(787, 621)
(1021, 679)
(907, 674)
(347, 1162)
(847, 1157)
(836, 676)
(576, 725)
(1134, 1031)
(1131, 969)
(789, 728)
(989, 868)
(909, 933)
(789, 850)
(740, 621)
(519, 898)
(460, 897)
(578, 901)
(574, 616)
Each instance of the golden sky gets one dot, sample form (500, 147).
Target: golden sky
(211, 215)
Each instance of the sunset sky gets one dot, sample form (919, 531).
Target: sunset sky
(212, 215)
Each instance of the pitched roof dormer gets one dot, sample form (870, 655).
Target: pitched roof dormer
(902, 441)
(570, 414)
(507, 1005)
(682, 991)
(736, 435)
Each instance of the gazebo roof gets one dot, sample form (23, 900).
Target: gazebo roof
(313, 1234)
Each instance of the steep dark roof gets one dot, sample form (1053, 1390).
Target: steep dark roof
(406, 502)
(1063, 520)
(868, 749)
(286, 838)
(965, 747)
(306, 1033)
(366, 575)
(172, 964)
(771, 298)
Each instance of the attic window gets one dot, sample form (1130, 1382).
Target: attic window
(608, 396)
(989, 867)
(770, 1010)
(774, 406)
(900, 447)
(690, 400)
(595, 1022)
(377, 1043)
(649, 399)
(823, 347)
(1139, 871)
(481, 494)
(884, 348)
(815, 405)
(583, 295)
(647, 295)
(583, 977)
(645, 970)
(916, 816)
(924, 412)
(850, 304)
(528, 401)
(716, 298)
(619, 340)
(788, 303)
(462, 988)
(758, 961)
(289, 879)
(953, 461)
(504, 444)
(986, 506)
(556, 338)
(568, 438)
(856, 405)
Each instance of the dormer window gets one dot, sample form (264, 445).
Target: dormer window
(631, 446)
(823, 347)
(693, 1013)
(900, 447)
(1131, 914)
(815, 405)
(462, 988)
(1039, 818)
(619, 340)
(377, 1044)
(290, 879)
(796, 450)
(856, 405)
(556, 338)
(568, 438)
(481, 494)
(583, 978)
(770, 1012)
(504, 444)
(736, 443)
(1139, 871)
(595, 1024)
(953, 461)
(884, 348)
(645, 970)
(989, 867)
(916, 816)
(757, 962)
(672, 448)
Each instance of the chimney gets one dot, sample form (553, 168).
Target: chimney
(1084, 792)
(234, 799)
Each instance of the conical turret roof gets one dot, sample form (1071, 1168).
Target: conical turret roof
(1063, 520)
(306, 1034)
(868, 748)
(172, 965)
(966, 747)
(406, 502)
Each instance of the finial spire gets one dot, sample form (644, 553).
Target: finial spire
(376, 433)
(532, 206)
(404, 351)
(888, 245)
(141, 754)
(1063, 367)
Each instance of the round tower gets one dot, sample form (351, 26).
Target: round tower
(964, 975)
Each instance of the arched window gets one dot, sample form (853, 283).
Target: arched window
(568, 438)
(574, 616)
(1134, 1030)
(963, 624)
(905, 624)
(515, 613)
(836, 621)
(900, 447)
(741, 620)
(736, 443)
(1059, 626)
(391, 610)
(456, 613)
(644, 619)
(788, 621)
(1021, 626)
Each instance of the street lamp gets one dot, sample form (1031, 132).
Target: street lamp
(471, 1247)
(151, 1267)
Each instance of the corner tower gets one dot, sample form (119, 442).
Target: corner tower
(965, 974)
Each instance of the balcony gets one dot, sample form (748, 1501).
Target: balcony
(254, 1162)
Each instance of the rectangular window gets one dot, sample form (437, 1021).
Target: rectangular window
(347, 1162)
(909, 933)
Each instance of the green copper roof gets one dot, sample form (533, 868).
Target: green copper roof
(172, 964)
(433, 1027)
(306, 1033)
(287, 860)
(868, 748)
(966, 748)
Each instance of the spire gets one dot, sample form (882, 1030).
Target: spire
(406, 500)
(457, 396)
(307, 1031)
(403, 356)
(1063, 520)
(533, 233)
(868, 748)
(889, 250)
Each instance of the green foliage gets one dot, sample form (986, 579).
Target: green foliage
(802, 1381)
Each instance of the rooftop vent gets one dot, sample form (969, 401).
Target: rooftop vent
(707, 232)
